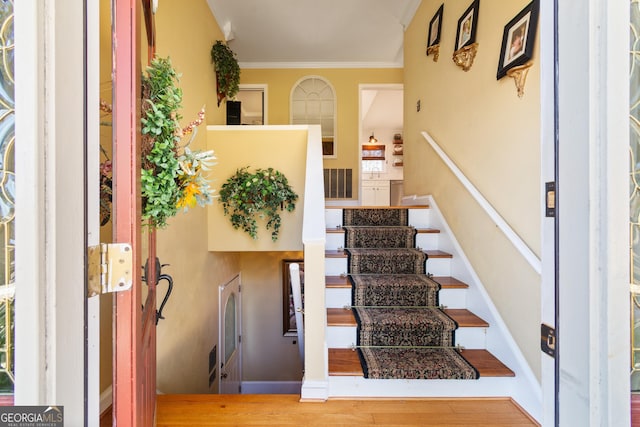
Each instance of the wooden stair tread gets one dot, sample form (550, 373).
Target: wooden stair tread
(340, 253)
(335, 253)
(463, 317)
(379, 207)
(340, 317)
(340, 230)
(445, 282)
(346, 362)
(486, 363)
(448, 282)
(437, 254)
(337, 282)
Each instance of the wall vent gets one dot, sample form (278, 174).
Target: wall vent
(338, 183)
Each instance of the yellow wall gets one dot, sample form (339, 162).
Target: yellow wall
(493, 137)
(257, 148)
(186, 30)
(345, 82)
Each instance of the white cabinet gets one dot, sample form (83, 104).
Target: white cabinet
(375, 193)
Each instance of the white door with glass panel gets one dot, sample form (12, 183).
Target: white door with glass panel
(230, 341)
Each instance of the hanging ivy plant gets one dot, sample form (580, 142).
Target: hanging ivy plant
(227, 70)
(246, 196)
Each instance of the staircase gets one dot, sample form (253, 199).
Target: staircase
(346, 378)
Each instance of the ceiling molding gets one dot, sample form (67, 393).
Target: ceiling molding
(281, 65)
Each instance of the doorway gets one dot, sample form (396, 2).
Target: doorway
(253, 104)
(380, 139)
(230, 337)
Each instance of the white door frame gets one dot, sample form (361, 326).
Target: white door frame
(593, 270)
(265, 92)
(361, 134)
(51, 358)
(547, 135)
(232, 287)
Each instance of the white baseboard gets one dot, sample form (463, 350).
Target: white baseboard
(314, 391)
(106, 399)
(271, 387)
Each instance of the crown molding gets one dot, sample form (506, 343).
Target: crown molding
(281, 65)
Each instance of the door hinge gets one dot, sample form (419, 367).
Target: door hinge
(110, 268)
(548, 340)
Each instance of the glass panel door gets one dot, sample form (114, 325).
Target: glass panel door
(7, 199)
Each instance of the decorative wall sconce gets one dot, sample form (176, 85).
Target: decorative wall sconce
(464, 56)
(435, 51)
(519, 75)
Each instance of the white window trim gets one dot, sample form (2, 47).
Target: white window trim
(335, 110)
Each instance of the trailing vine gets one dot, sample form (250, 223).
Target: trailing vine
(246, 196)
(227, 70)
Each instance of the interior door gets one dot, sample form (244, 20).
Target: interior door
(230, 337)
(134, 381)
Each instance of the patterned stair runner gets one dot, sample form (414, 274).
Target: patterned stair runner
(401, 331)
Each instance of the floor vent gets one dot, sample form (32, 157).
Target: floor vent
(338, 183)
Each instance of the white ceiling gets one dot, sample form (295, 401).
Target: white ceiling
(341, 33)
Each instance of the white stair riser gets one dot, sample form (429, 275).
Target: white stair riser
(333, 218)
(345, 337)
(341, 336)
(423, 240)
(337, 297)
(334, 241)
(435, 266)
(427, 240)
(419, 218)
(353, 387)
(335, 266)
(451, 298)
(439, 266)
(471, 337)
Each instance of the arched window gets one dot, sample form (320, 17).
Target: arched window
(313, 102)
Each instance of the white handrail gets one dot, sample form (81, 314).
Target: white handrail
(513, 237)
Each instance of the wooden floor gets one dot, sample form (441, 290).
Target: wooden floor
(286, 410)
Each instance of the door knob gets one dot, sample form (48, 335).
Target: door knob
(223, 375)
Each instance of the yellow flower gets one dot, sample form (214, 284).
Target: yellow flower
(189, 196)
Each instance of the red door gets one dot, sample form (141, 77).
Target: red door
(134, 320)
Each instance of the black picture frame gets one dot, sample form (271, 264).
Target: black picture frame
(289, 328)
(518, 39)
(468, 26)
(435, 29)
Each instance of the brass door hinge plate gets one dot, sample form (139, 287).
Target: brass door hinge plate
(110, 268)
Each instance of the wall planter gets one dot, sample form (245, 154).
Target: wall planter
(249, 196)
